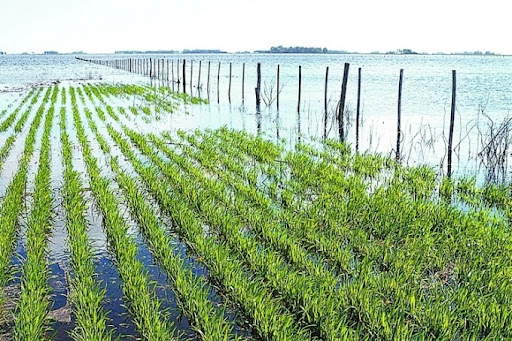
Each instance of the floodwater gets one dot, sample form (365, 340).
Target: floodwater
(484, 100)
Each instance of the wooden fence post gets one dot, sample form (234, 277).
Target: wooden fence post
(358, 107)
(399, 118)
(258, 87)
(229, 88)
(191, 74)
(300, 88)
(277, 95)
(178, 73)
(172, 74)
(243, 82)
(184, 79)
(325, 101)
(218, 84)
(208, 82)
(452, 121)
(199, 80)
(341, 106)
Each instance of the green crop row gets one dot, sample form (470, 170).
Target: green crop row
(86, 295)
(32, 306)
(143, 304)
(191, 291)
(267, 316)
(12, 204)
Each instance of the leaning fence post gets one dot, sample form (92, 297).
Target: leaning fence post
(452, 121)
(399, 116)
(341, 106)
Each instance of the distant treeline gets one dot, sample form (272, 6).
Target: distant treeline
(1, 52)
(146, 52)
(203, 51)
(298, 49)
(169, 51)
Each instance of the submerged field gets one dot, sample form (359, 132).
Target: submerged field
(111, 229)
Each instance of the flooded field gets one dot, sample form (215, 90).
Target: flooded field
(129, 211)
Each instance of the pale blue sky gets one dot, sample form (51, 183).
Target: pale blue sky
(231, 25)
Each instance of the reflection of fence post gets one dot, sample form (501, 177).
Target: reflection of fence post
(452, 121)
(399, 118)
(358, 107)
(325, 101)
(258, 87)
(300, 88)
(341, 106)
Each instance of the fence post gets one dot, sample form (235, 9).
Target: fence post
(243, 82)
(229, 88)
(208, 82)
(358, 107)
(199, 80)
(452, 121)
(218, 84)
(258, 87)
(300, 88)
(277, 95)
(341, 106)
(184, 79)
(399, 118)
(191, 74)
(325, 101)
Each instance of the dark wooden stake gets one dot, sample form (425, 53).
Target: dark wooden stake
(341, 106)
(452, 121)
(399, 116)
(229, 88)
(184, 79)
(358, 107)
(199, 79)
(258, 87)
(325, 101)
(218, 84)
(277, 95)
(191, 74)
(243, 82)
(208, 82)
(178, 74)
(300, 88)
(172, 74)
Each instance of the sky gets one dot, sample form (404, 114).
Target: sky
(105, 26)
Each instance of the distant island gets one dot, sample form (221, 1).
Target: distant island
(1, 52)
(203, 51)
(298, 49)
(146, 52)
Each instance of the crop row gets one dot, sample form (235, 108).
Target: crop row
(12, 203)
(145, 307)
(32, 305)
